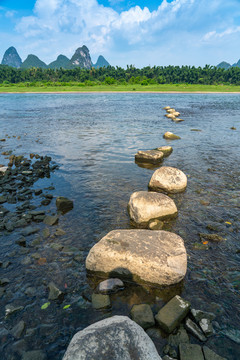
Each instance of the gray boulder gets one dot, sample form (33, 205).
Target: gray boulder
(157, 257)
(115, 338)
(168, 179)
(144, 206)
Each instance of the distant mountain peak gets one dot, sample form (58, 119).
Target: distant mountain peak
(101, 62)
(11, 58)
(82, 58)
(33, 61)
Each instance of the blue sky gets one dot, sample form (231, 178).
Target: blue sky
(138, 32)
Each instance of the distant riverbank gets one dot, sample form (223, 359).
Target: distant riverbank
(79, 87)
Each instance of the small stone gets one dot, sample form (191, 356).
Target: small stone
(199, 315)
(19, 347)
(206, 327)
(155, 224)
(190, 352)
(211, 237)
(170, 136)
(142, 315)
(45, 202)
(26, 261)
(59, 232)
(55, 246)
(54, 292)
(166, 357)
(18, 329)
(171, 315)
(63, 204)
(4, 282)
(3, 199)
(30, 230)
(10, 309)
(211, 355)
(46, 233)
(21, 242)
(51, 220)
(110, 286)
(194, 330)
(38, 192)
(100, 301)
(233, 128)
(180, 337)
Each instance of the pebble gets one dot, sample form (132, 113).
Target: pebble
(54, 292)
(110, 285)
(18, 329)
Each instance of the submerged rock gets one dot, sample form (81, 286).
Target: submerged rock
(157, 257)
(211, 237)
(155, 224)
(171, 315)
(170, 136)
(100, 301)
(211, 355)
(54, 292)
(63, 204)
(117, 338)
(110, 286)
(144, 206)
(168, 179)
(149, 156)
(142, 314)
(194, 330)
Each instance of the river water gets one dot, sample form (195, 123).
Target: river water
(93, 139)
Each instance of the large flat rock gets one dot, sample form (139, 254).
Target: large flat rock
(144, 206)
(157, 257)
(168, 179)
(116, 338)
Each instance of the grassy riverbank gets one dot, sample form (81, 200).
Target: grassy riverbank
(80, 87)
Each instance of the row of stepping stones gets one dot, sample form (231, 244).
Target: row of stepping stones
(172, 114)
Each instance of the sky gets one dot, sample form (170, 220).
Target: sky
(133, 32)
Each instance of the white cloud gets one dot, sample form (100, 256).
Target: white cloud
(178, 32)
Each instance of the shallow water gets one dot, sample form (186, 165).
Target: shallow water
(93, 138)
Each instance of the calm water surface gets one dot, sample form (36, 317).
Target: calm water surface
(93, 138)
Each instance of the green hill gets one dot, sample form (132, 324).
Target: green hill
(33, 61)
(61, 62)
(101, 62)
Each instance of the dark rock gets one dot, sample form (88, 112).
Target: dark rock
(38, 192)
(110, 286)
(171, 315)
(142, 315)
(100, 301)
(190, 352)
(199, 315)
(51, 220)
(211, 237)
(3, 199)
(30, 230)
(19, 347)
(180, 337)
(211, 355)
(59, 232)
(4, 282)
(10, 309)
(18, 329)
(54, 292)
(194, 330)
(45, 202)
(63, 204)
(21, 242)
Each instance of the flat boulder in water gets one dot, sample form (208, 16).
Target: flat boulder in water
(157, 257)
(149, 156)
(168, 179)
(144, 206)
(117, 338)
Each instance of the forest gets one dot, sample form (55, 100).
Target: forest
(208, 75)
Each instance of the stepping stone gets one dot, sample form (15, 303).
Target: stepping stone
(170, 116)
(115, 338)
(149, 156)
(190, 352)
(157, 257)
(166, 150)
(144, 206)
(168, 179)
(142, 315)
(170, 136)
(171, 315)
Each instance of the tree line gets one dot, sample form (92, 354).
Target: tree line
(208, 75)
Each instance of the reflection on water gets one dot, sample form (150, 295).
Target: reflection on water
(94, 137)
